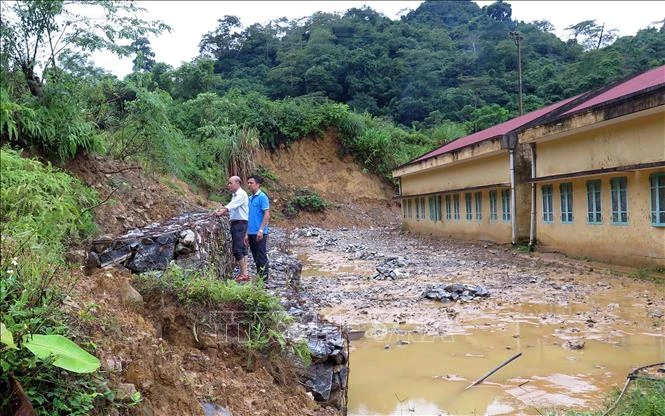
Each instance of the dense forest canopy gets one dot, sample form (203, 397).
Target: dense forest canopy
(444, 60)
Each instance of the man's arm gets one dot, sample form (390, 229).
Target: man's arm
(266, 217)
(236, 202)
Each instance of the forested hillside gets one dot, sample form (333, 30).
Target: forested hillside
(446, 60)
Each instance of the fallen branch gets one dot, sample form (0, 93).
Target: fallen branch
(96, 205)
(494, 370)
(110, 172)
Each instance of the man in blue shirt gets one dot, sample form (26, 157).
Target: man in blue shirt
(257, 228)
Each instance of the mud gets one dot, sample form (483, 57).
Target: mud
(418, 355)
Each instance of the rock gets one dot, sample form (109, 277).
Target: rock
(130, 296)
(213, 409)
(113, 257)
(319, 350)
(76, 256)
(182, 250)
(574, 344)
(125, 391)
(112, 364)
(92, 260)
(153, 257)
(187, 237)
(655, 313)
(321, 379)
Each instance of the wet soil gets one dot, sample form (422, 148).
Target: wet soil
(418, 355)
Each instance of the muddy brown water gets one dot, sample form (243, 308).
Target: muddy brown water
(397, 370)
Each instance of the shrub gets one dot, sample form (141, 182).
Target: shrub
(305, 200)
(54, 123)
(41, 204)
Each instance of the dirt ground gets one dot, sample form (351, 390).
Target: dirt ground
(354, 196)
(154, 347)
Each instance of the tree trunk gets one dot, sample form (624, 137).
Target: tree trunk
(34, 83)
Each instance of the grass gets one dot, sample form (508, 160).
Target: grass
(643, 398)
(655, 274)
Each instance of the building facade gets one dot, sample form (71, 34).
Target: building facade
(585, 176)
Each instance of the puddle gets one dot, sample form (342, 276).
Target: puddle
(429, 374)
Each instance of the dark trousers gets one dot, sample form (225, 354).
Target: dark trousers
(260, 253)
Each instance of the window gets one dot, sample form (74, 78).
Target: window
(456, 206)
(432, 214)
(619, 198)
(404, 208)
(594, 211)
(566, 190)
(449, 211)
(493, 210)
(479, 206)
(422, 207)
(435, 208)
(505, 204)
(417, 209)
(548, 214)
(657, 199)
(467, 202)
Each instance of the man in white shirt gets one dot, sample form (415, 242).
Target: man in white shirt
(238, 210)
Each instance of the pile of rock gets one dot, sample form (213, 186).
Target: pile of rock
(360, 252)
(323, 242)
(391, 268)
(327, 377)
(191, 240)
(308, 232)
(456, 292)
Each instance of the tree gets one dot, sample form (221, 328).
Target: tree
(35, 34)
(222, 40)
(590, 35)
(145, 57)
(499, 11)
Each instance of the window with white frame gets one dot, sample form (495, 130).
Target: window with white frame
(479, 206)
(449, 208)
(593, 197)
(505, 204)
(566, 190)
(467, 203)
(619, 200)
(548, 214)
(657, 199)
(456, 206)
(493, 206)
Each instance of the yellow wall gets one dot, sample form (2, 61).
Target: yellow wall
(640, 140)
(486, 171)
(636, 243)
(484, 229)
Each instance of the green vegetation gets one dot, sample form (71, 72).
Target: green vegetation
(651, 274)
(305, 200)
(643, 398)
(42, 209)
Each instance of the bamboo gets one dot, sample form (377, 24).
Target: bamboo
(494, 370)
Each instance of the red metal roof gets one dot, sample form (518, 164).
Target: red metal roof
(494, 131)
(641, 82)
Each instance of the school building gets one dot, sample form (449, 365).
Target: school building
(585, 176)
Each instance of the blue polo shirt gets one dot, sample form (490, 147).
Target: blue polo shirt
(257, 204)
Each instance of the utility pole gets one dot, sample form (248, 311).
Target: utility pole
(517, 38)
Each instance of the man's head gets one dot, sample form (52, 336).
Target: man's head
(233, 183)
(254, 183)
